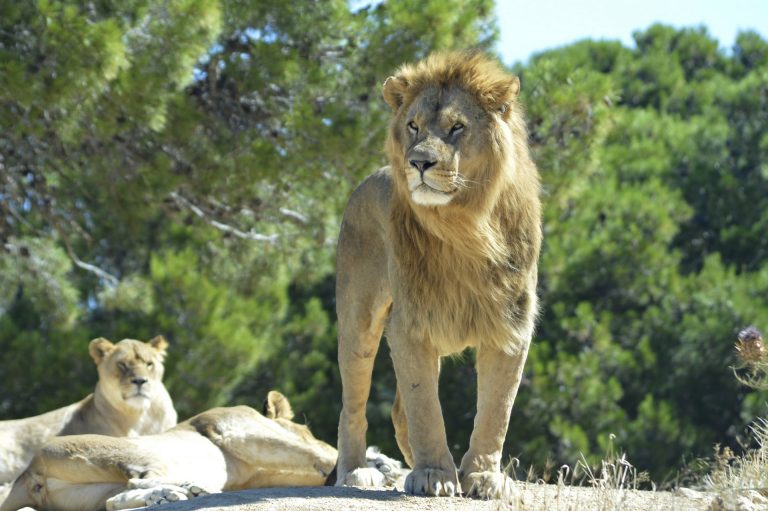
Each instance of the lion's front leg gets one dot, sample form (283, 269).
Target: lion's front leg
(417, 366)
(498, 378)
(358, 344)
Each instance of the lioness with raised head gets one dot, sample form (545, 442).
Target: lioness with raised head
(129, 400)
(220, 449)
(442, 248)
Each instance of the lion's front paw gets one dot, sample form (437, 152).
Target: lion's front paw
(432, 481)
(365, 477)
(488, 485)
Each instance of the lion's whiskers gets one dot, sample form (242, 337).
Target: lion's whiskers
(464, 182)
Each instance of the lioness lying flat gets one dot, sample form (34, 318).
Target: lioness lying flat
(442, 248)
(221, 449)
(129, 400)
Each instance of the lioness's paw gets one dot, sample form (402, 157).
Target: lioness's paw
(194, 490)
(488, 485)
(146, 492)
(391, 469)
(365, 477)
(165, 494)
(191, 489)
(432, 481)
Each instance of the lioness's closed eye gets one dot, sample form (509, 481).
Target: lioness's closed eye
(129, 400)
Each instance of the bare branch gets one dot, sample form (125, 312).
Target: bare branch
(111, 279)
(250, 235)
(108, 277)
(294, 216)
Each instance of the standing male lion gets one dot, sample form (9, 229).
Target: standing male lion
(442, 248)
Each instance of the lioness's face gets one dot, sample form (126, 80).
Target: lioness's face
(277, 408)
(129, 371)
(306, 435)
(441, 133)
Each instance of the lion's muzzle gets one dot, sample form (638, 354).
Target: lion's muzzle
(422, 165)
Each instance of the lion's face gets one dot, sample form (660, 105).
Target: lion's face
(129, 371)
(441, 135)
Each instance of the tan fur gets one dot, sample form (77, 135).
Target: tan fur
(442, 247)
(129, 400)
(220, 449)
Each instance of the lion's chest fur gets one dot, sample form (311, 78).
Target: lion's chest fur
(457, 291)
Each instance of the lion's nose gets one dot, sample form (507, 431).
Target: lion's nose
(422, 165)
(139, 381)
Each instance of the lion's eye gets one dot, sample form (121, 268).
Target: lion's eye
(457, 128)
(150, 364)
(412, 126)
(122, 366)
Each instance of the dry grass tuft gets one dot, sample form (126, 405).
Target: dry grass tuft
(608, 487)
(741, 482)
(615, 475)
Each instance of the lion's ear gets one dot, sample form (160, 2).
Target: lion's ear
(159, 343)
(100, 348)
(393, 91)
(276, 406)
(514, 84)
(504, 94)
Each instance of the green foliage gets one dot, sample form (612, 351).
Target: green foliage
(180, 168)
(36, 270)
(219, 334)
(654, 251)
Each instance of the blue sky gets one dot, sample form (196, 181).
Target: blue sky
(530, 26)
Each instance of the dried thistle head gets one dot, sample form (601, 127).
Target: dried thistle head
(750, 347)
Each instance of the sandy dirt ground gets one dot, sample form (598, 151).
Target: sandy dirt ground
(528, 497)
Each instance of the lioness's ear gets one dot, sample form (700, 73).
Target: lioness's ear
(159, 343)
(100, 348)
(393, 91)
(276, 406)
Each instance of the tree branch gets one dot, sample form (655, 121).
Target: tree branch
(250, 235)
(294, 216)
(91, 268)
